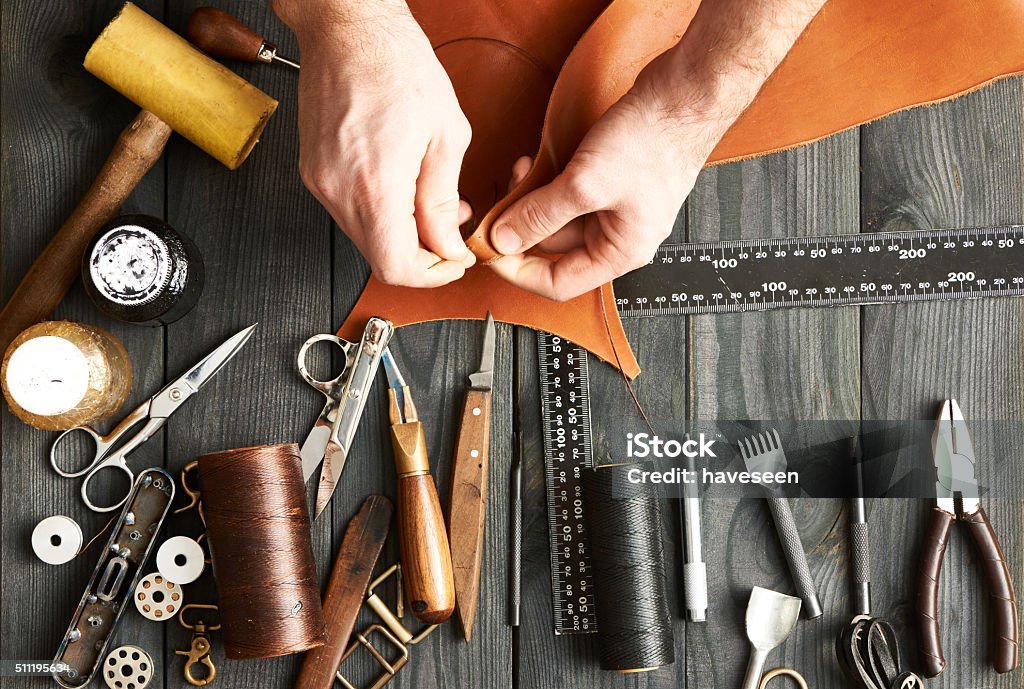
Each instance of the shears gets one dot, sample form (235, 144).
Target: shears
(331, 437)
(112, 449)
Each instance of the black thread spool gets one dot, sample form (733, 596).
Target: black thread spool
(624, 531)
(138, 269)
(257, 521)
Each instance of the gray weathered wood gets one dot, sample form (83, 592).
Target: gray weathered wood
(955, 165)
(58, 125)
(273, 255)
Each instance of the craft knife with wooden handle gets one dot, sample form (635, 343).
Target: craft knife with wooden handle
(468, 505)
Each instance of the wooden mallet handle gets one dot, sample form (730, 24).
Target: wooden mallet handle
(54, 271)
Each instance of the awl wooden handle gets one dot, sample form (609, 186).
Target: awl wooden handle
(218, 33)
(426, 558)
(56, 268)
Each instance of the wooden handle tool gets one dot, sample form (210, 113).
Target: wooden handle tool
(221, 34)
(361, 546)
(179, 89)
(426, 557)
(468, 506)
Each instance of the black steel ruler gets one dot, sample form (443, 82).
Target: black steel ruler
(565, 416)
(762, 274)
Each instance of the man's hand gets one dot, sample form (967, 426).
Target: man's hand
(618, 197)
(382, 136)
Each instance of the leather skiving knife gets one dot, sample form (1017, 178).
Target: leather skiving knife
(468, 505)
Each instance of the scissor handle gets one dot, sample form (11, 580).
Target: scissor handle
(324, 386)
(102, 443)
(98, 451)
(115, 461)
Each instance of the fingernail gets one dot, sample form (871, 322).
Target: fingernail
(468, 260)
(506, 240)
(456, 245)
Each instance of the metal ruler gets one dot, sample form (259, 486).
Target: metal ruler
(745, 275)
(565, 416)
(762, 274)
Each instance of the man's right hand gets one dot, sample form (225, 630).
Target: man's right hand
(381, 136)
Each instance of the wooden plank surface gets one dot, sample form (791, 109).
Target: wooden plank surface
(273, 255)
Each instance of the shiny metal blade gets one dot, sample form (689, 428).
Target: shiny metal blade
(315, 445)
(174, 394)
(484, 378)
(953, 455)
(206, 369)
(325, 489)
(395, 380)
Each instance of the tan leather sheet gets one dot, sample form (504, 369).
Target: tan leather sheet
(856, 62)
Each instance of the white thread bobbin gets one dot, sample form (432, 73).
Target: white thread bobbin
(57, 539)
(180, 560)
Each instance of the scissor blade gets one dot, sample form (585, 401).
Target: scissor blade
(484, 378)
(206, 369)
(330, 474)
(315, 445)
(174, 394)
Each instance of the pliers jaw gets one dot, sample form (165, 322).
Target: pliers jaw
(956, 486)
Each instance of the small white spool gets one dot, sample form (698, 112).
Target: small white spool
(127, 667)
(57, 539)
(181, 560)
(157, 599)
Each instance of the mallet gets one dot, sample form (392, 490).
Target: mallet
(179, 89)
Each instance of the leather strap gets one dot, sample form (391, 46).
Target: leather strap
(1002, 601)
(360, 547)
(869, 652)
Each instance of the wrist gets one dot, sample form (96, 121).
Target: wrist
(336, 19)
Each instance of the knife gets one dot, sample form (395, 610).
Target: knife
(468, 505)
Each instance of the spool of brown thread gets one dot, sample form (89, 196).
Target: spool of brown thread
(258, 524)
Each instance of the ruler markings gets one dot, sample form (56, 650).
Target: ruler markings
(835, 270)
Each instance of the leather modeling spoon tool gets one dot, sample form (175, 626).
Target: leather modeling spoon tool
(426, 557)
(469, 484)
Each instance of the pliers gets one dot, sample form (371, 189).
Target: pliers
(956, 492)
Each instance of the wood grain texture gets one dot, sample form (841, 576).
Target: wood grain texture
(426, 557)
(960, 164)
(468, 502)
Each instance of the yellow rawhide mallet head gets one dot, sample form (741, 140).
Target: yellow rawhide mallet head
(200, 99)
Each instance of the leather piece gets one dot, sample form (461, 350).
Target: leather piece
(856, 62)
(999, 585)
(933, 549)
(581, 320)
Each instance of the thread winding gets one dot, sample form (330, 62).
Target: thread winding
(624, 530)
(258, 526)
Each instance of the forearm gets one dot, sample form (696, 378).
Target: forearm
(729, 50)
(331, 17)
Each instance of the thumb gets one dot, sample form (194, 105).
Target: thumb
(540, 214)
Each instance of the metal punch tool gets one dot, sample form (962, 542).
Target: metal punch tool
(112, 449)
(329, 441)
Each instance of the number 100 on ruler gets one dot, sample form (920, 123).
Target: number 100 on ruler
(565, 414)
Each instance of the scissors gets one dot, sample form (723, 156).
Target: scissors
(112, 449)
(346, 394)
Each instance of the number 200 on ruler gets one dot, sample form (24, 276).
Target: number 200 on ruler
(565, 414)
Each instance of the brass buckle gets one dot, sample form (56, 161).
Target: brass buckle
(393, 631)
(199, 649)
